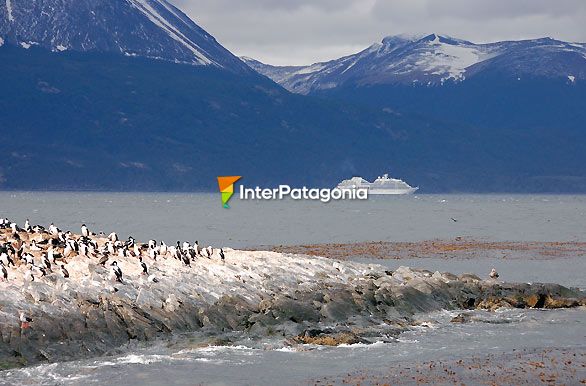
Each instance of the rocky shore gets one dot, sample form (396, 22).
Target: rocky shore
(301, 298)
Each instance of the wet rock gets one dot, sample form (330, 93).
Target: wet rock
(327, 338)
(462, 318)
(283, 308)
(469, 278)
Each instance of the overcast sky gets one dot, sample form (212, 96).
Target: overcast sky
(306, 31)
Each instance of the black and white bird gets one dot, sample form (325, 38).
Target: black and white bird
(83, 249)
(42, 270)
(137, 250)
(4, 271)
(191, 252)
(130, 242)
(116, 271)
(69, 250)
(53, 256)
(28, 275)
(145, 269)
(46, 262)
(53, 230)
(29, 259)
(123, 252)
(4, 258)
(64, 271)
(34, 247)
(185, 259)
(9, 260)
(113, 237)
(176, 253)
(85, 232)
(163, 249)
(222, 256)
(493, 274)
(111, 248)
(27, 226)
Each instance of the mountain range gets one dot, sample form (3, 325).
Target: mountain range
(133, 95)
(433, 60)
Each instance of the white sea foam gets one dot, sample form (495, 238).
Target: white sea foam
(288, 349)
(378, 343)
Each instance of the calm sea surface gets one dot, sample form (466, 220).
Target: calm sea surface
(172, 217)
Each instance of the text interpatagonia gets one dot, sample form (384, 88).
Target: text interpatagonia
(304, 193)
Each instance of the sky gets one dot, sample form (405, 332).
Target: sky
(298, 32)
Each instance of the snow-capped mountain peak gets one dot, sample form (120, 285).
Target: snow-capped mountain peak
(147, 28)
(432, 59)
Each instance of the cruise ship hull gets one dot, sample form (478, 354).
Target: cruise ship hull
(391, 191)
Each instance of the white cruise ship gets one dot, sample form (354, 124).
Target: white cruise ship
(382, 185)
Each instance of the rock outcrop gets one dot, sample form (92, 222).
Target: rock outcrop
(258, 294)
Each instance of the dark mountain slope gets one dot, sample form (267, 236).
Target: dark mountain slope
(89, 121)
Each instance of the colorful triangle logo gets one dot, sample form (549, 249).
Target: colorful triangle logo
(226, 185)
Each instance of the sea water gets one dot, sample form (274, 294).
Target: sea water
(190, 217)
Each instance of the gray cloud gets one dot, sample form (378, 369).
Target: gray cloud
(306, 31)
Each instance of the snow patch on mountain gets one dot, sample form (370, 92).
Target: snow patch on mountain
(9, 10)
(450, 61)
(155, 17)
(310, 69)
